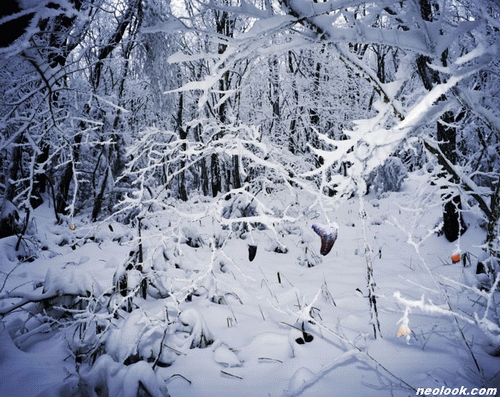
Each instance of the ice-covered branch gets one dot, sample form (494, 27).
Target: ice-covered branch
(491, 329)
(430, 308)
(466, 182)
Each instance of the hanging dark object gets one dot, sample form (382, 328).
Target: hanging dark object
(328, 236)
(306, 337)
(252, 251)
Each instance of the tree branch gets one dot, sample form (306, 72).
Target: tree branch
(467, 184)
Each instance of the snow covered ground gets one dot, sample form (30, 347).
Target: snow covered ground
(222, 325)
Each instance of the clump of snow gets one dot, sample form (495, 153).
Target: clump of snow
(226, 357)
(299, 379)
(268, 346)
(70, 280)
(193, 323)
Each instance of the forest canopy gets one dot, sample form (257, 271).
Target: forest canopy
(111, 104)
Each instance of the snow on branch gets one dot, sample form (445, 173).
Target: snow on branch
(491, 329)
(429, 307)
(471, 100)
(466, 182)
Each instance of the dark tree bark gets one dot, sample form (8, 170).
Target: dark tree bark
(12, 30)
(453, 224)
(274, 92)
(40, 179)
(215, 171)
(182, 135)
(224, 173)
(235, 171)
(66, 178)
(493, 236)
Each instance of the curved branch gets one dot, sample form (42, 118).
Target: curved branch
(25, 299)
(467, 184)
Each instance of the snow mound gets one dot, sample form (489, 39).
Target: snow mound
(70, 280)
(268, 346)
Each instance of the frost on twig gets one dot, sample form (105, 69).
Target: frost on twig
(487, 321)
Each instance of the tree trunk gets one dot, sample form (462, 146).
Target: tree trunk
(40, 179)
(235, 171)
(100, 196)
(453, 225)
(67, 177)
(216, 175)
(493, 236)
(182, 135)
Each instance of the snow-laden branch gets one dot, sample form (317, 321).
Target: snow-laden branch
(299, 384)
(323, 18)
(430, 308)
(472, 101)
(466, 182)
(483, 321)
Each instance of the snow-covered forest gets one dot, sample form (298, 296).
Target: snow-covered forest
(215, 198)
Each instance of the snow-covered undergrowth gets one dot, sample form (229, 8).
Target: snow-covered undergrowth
(191, 301)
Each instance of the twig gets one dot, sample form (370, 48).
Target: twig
(231, 375)
(8, 275)
(181, 376)
(161, 348)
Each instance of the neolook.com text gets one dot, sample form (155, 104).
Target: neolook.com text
(456, 391)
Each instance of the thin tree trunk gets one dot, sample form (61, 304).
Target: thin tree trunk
(67, 177)
(493, 236)
(182, 135)
(216, 175)
(40, 179)
(453, 224)
(235, 171)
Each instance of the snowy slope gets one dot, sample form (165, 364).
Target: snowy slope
(222, 325)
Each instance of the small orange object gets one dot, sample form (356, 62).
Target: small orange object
(404, 330)
(455, 258)
(72, 227)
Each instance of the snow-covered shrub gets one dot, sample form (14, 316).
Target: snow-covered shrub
(107, 378)
(308, 258)
(198, 334)
(121, 360)
(487, 271)
(68, 298)
(14, 249)
(191, 237)
(127, 283)
(388, 177)
(141, 336)
(241, 206)
(68, 290)
(10, 221)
